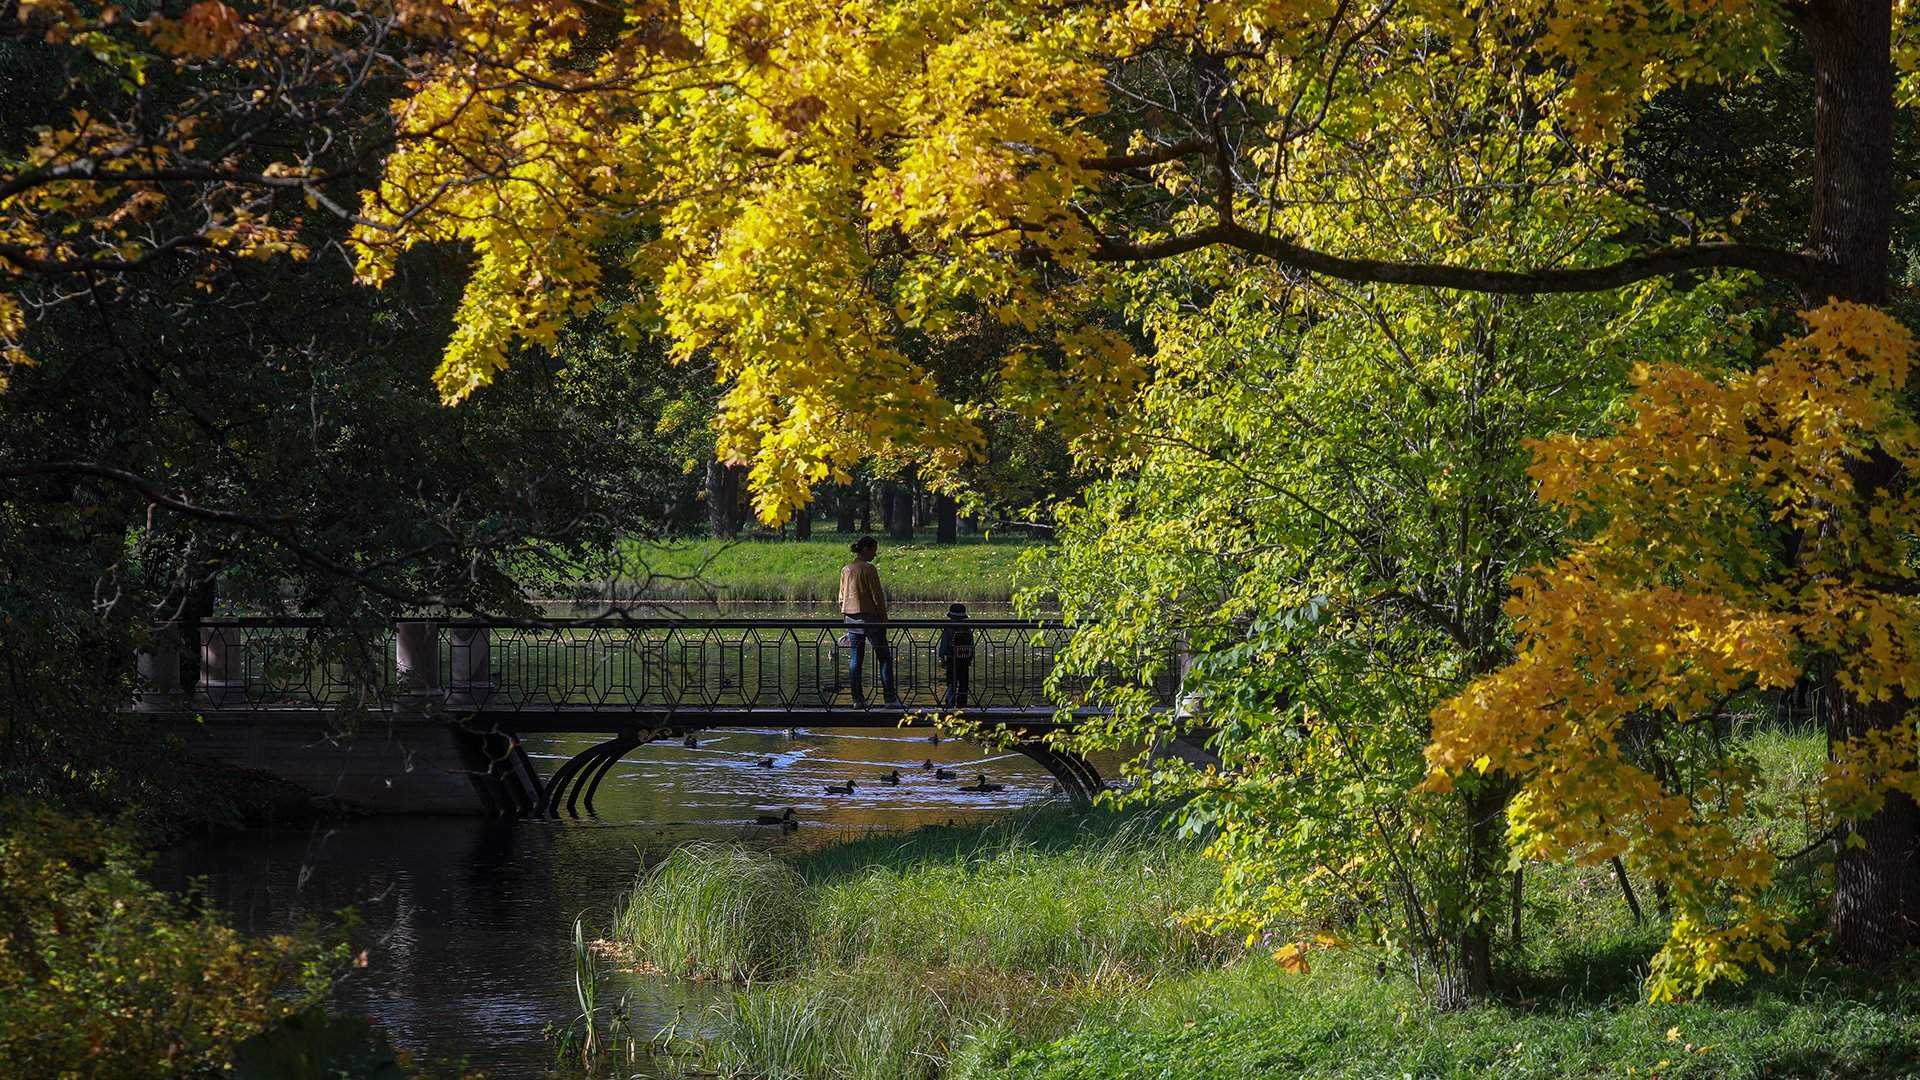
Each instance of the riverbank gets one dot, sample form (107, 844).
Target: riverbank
(1051, 947)
(899, 956)
(973, 568)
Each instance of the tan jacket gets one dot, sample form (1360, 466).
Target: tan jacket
(860, 591)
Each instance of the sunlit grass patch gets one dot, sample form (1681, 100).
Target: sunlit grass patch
(1062, 896)
(973, 569)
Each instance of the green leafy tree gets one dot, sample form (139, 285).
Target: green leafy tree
(1324, 512)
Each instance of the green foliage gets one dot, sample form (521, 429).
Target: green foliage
(1328, 510)
(103, 975)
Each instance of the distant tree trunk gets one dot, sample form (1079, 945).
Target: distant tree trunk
(723, 499)
(686, 509)
(900, 523)
(946, 519)
(866, 508)
(844, 510)
(803, 523)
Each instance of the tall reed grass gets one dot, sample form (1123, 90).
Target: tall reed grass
(1056, 896)
(715, 910)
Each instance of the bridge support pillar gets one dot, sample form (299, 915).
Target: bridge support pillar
(1189, 743)
(223, 676)
(158, 668)
(416, 664)
(471, 682)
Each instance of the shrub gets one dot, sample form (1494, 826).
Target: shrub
(101, 974)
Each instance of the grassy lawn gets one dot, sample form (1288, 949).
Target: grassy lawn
(1343, 1020)
(1049, 947)
(972, 569)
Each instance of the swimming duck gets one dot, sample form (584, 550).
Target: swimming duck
(766, 763)
(934, 738)
(891, 778)
(981, 785)
(943, 774)
(785, 817)
(840, 789)
(691, 742)
(927, 764)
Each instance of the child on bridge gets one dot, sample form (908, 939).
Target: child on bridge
(956, 652)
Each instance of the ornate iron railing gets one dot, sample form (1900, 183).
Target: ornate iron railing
(638, 665)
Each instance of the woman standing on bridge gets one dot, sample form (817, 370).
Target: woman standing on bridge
(863, 601)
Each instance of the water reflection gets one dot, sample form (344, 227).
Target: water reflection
(468, 924)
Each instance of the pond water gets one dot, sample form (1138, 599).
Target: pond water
(468, 924)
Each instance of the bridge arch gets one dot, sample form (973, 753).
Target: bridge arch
(577, 780)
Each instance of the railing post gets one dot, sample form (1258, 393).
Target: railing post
(416, 665)
(471, 684)
(158, 669)
(223, 672)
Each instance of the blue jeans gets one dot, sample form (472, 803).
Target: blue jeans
(882, 654)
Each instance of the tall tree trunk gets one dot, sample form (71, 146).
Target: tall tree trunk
(803, 523)
(900, 519)
(1465, 968)
(1851, 42)
(844, 518)
(866, 508)
(723, 499)
(946, 519)
(1876, 896)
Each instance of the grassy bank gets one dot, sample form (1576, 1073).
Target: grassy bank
(972, 569)
(887, 957)
(1048, 948)
(1030, 897)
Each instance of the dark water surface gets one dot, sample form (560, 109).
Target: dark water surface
(468, 924)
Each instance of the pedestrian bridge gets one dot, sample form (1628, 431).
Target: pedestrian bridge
(436, 708)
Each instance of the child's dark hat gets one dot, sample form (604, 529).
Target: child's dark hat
(957, 611)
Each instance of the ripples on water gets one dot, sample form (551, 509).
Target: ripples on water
(468, 923)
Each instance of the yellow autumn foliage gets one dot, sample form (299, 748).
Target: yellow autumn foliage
(1730, 547)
